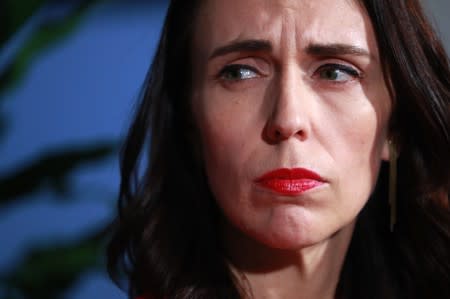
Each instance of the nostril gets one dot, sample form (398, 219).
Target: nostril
(276, 134)
(302, 134)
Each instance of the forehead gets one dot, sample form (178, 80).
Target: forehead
(279, 21)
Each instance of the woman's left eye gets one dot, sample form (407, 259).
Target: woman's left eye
(236, 72)
(338, 73)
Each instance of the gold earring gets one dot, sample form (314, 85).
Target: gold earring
(393, 155)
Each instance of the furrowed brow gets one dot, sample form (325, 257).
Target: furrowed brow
(242, 46)
(336, 50)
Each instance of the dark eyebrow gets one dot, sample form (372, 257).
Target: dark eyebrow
(336, 50)
(253, 45)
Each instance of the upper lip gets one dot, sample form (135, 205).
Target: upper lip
(290, 174)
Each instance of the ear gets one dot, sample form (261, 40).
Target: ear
(385, 151)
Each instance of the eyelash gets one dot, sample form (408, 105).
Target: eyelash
(348, 70)
(233, 68)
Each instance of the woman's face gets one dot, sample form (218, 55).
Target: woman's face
(292, 111)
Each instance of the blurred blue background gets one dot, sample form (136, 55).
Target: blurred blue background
(70, 74)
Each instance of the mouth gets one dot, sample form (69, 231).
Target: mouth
(290, 181)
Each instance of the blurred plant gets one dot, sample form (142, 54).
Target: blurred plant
(50, 170)
(54, 20)
(13, 14)
(48, 271)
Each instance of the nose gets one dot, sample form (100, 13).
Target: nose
(290, 110)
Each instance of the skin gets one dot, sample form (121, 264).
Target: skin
(293, 99)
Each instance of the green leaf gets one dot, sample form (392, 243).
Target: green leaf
(52, 169)
(47, 34)
(13, 14)
(47, 272)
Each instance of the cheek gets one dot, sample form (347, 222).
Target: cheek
(231, 149)
(357, 149)
(229, 132)
(224, 156)
(221, 142)
(220, 139)
(360, 137)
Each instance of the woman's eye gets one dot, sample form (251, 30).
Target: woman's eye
(337, 73)
(236, 72)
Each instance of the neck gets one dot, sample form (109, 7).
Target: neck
(311, 272)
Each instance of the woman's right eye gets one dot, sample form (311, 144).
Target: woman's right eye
(237, 72)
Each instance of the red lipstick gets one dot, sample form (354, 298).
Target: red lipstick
(292, 182)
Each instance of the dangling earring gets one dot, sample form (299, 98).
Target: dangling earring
(393, 155)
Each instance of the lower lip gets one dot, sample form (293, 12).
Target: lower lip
(290, 186)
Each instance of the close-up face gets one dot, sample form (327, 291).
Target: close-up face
(292, 111)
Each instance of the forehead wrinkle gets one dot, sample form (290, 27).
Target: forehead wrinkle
(358, 33)
(262, 24)
(299, 33)
(273, 19)
(286, 43)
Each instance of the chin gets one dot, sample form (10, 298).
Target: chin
(292, 232)
(298, 228)
(290, 240)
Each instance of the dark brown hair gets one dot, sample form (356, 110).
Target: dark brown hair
(166, 239)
